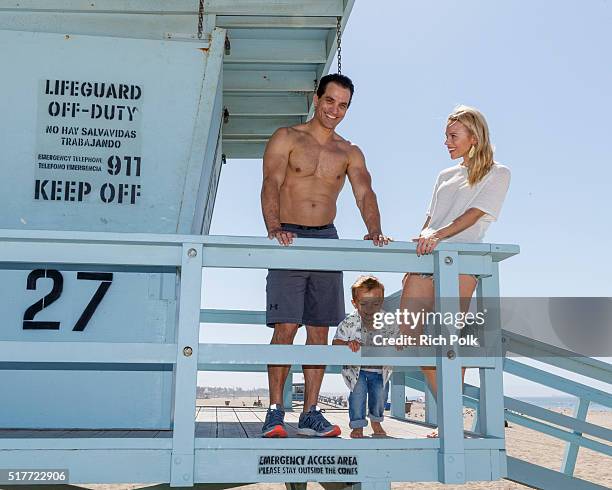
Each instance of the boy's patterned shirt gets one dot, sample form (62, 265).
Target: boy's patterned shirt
(350, 329)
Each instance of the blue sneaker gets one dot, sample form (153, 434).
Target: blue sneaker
(274, 426)
(312, 423)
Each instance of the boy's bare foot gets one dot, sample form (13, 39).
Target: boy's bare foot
(378, 430)
(357, 433)
(433, 434)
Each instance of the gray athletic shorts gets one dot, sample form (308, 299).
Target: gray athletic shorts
(305, 297)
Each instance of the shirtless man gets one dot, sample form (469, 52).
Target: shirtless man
(304, 169)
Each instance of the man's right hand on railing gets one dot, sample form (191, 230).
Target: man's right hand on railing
(284, 237)
(379, 238)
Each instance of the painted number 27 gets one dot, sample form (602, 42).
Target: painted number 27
(105, 278)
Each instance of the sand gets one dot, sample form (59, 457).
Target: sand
(536, 448)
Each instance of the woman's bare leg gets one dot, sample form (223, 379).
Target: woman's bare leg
(418, 293)
(467, 285)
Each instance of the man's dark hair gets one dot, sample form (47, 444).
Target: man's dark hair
(341, 80)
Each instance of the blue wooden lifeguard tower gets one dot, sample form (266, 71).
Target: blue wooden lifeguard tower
(117, 118)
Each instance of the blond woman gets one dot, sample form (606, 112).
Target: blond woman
(466, 199)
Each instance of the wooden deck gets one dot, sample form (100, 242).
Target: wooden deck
(228, 422)
(246, 422)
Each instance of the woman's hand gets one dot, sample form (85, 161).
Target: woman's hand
(426, 243)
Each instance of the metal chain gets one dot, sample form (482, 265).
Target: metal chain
(339, 40)
(200, 19)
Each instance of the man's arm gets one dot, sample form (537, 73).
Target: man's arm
(275, 162)
(361, 182)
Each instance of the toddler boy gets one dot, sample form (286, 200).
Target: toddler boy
(368, 381)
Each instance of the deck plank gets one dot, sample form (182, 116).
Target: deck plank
(227, 422)
(142, 433)
(206, 422)
(228, 425)
(250, 422)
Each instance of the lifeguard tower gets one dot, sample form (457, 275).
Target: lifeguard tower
(117, 118)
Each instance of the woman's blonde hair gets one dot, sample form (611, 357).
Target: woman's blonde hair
(475, 122)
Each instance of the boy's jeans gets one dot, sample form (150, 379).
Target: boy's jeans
(370, 385)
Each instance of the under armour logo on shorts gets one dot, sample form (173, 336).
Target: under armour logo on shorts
(273, 307)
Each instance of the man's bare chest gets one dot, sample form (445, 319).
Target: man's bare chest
(311, 160)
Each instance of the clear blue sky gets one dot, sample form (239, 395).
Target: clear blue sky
(539, 71)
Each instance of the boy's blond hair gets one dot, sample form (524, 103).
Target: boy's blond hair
(366, 283)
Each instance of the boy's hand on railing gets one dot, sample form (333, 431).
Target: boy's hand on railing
(378, 238)
(284, 237)
(354, 345)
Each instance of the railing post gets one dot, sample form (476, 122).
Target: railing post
(186, 371)
(451, 457)
(288, 392)
(491, 404)
(476, 421)
(398, 394)
(431, 406)
(571, 449)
